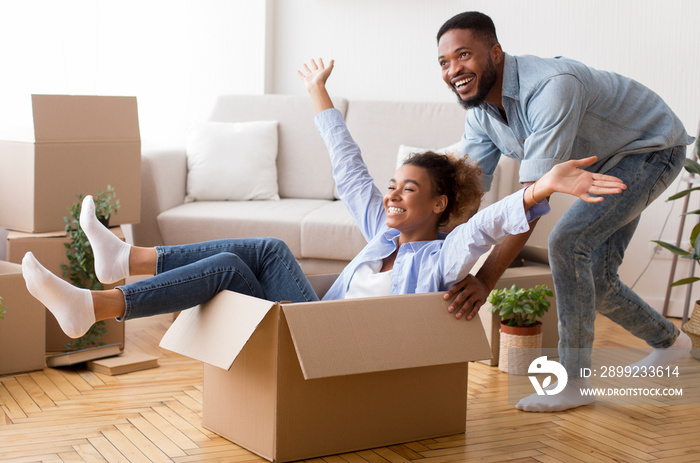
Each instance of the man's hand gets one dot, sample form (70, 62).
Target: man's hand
(471, 295)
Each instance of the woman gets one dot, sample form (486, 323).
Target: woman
(405, 251)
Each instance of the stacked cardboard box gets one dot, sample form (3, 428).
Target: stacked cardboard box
(80, 144)
(50, 251)
(76, 145)
(22, 329)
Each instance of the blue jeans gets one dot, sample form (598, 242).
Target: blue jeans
(586, 248)
(191, 274)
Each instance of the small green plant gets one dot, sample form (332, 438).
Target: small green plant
(2, 308)
(692, 167)
(520, 307)
(81, 259)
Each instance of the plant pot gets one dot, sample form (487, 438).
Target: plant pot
(692, 329)
(103, 221)
(519, 346)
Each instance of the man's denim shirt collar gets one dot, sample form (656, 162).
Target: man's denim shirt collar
(510, 89)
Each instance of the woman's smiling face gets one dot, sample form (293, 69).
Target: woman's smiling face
(410, 205)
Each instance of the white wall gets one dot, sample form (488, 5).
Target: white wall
(386, 50)
(175, 56)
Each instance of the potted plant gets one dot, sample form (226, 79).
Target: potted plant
(519, 310)
(2, 307)
(692, 327)
(81, 260)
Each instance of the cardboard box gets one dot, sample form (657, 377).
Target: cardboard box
(22, 330)
(523, 273)
(527, 275)
(297, 381)
(79, 144)
(50, 251)
(127, 362)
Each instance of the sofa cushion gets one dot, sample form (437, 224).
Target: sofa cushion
(330, 233)
(303, 167)
(232, 161)
(210, 220)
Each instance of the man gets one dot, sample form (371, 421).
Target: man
(542, 112)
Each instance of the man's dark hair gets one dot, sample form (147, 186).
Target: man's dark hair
(479, 23)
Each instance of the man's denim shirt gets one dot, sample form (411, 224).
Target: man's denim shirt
(421, 266)
(559, 109)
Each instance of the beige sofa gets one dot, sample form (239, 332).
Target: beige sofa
(308, 216)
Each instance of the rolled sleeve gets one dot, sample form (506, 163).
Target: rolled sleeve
(478, 147)
(532, 169)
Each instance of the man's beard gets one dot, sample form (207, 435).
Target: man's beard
(486, 83)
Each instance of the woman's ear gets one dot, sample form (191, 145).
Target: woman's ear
(440, 204)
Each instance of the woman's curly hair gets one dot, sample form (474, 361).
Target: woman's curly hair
(455, 177)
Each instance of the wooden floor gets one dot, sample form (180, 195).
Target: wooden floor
(71, 415)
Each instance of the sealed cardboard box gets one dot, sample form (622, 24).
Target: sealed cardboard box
(50, 251)
(297, 381)
(22, 329)
(78, 144)
(527, 275)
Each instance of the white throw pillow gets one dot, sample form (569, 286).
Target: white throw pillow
(232, 161)
(406, 151)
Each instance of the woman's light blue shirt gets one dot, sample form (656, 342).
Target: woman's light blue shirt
(421, 266)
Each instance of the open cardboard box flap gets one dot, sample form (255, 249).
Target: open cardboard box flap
(216, 332)
(334, 338)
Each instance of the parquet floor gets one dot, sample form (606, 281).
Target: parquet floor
(73, 415)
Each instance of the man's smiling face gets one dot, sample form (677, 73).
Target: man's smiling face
(468, 67)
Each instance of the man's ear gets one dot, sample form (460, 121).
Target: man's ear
(497, 53)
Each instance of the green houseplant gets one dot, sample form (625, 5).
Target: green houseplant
(692, 327)
(519, 310)
(692, 167)
(2, 307)
(520, 307)
(81, 260)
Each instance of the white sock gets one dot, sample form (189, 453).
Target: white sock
(570, 397)
(111, 253)
(663, 356)
(72, 306)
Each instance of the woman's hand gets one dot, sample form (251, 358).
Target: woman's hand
(315, 78)
(315, 75)
(569, 178)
